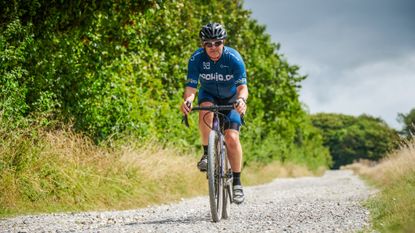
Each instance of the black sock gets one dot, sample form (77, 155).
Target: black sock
(205, 149)
(236, 178)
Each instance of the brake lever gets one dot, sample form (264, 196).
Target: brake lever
(185, 120)
(242, 115)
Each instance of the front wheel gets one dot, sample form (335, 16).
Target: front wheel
(227, 191)
(215, 177)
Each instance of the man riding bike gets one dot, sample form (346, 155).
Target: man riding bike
(221, 72)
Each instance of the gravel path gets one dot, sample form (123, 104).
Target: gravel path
(331, 203)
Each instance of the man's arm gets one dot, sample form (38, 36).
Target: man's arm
(189, 96)
(242, 96)
(242, 91)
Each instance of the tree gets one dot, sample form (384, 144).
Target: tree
(352, 138)
(118, 68)
(408, 121)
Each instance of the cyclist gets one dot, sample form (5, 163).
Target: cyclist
(221, 72)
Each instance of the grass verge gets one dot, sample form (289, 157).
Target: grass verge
(393, 208)
(58, 170)
(62, 171)
(257, 173)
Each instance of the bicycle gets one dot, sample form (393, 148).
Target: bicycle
(219, 171)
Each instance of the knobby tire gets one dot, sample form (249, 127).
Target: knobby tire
(215, 181)
(227, 191)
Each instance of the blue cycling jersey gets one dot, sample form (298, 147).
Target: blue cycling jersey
(220, 78)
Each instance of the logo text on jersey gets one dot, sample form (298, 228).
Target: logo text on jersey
(191, 81)
(241, 81)
(206, 65)
(216, 76)
(223, 66)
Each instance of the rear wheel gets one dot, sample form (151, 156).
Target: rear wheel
(214, 177)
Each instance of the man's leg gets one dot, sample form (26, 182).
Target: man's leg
(234, 149)
(235, 158)
(204, 134)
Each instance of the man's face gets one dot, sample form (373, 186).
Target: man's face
(213, 48)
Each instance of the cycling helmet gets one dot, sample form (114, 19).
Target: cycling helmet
(212, 31)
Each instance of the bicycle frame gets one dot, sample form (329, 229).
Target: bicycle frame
(223, 154)
(219, 172)
(215, 109)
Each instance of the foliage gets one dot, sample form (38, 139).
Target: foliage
(352, 138)
(118, 68)
(15, 41)
(392, 208)
(408, 121)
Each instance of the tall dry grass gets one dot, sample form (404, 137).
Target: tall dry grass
(173, 172)
(50, 170)
(263, 173)
(390, 169)
(393, 208)
(59, 170)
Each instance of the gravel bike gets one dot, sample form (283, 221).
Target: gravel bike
(219, 171)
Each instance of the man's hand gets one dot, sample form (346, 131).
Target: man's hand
(186, 107)
(240, 106)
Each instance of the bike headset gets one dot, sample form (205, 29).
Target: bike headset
(222, 124)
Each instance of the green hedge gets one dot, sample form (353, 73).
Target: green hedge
(117, 68)
(351, 138)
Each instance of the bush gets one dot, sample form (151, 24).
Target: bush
(119, 68)
(352, 138)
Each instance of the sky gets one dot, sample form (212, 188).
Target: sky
(358, 55)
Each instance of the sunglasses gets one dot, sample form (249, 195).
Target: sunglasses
(211, 44)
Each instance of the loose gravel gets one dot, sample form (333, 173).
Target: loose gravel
(331, 203)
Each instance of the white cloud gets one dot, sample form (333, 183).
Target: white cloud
(359, 56)
(381, 89)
